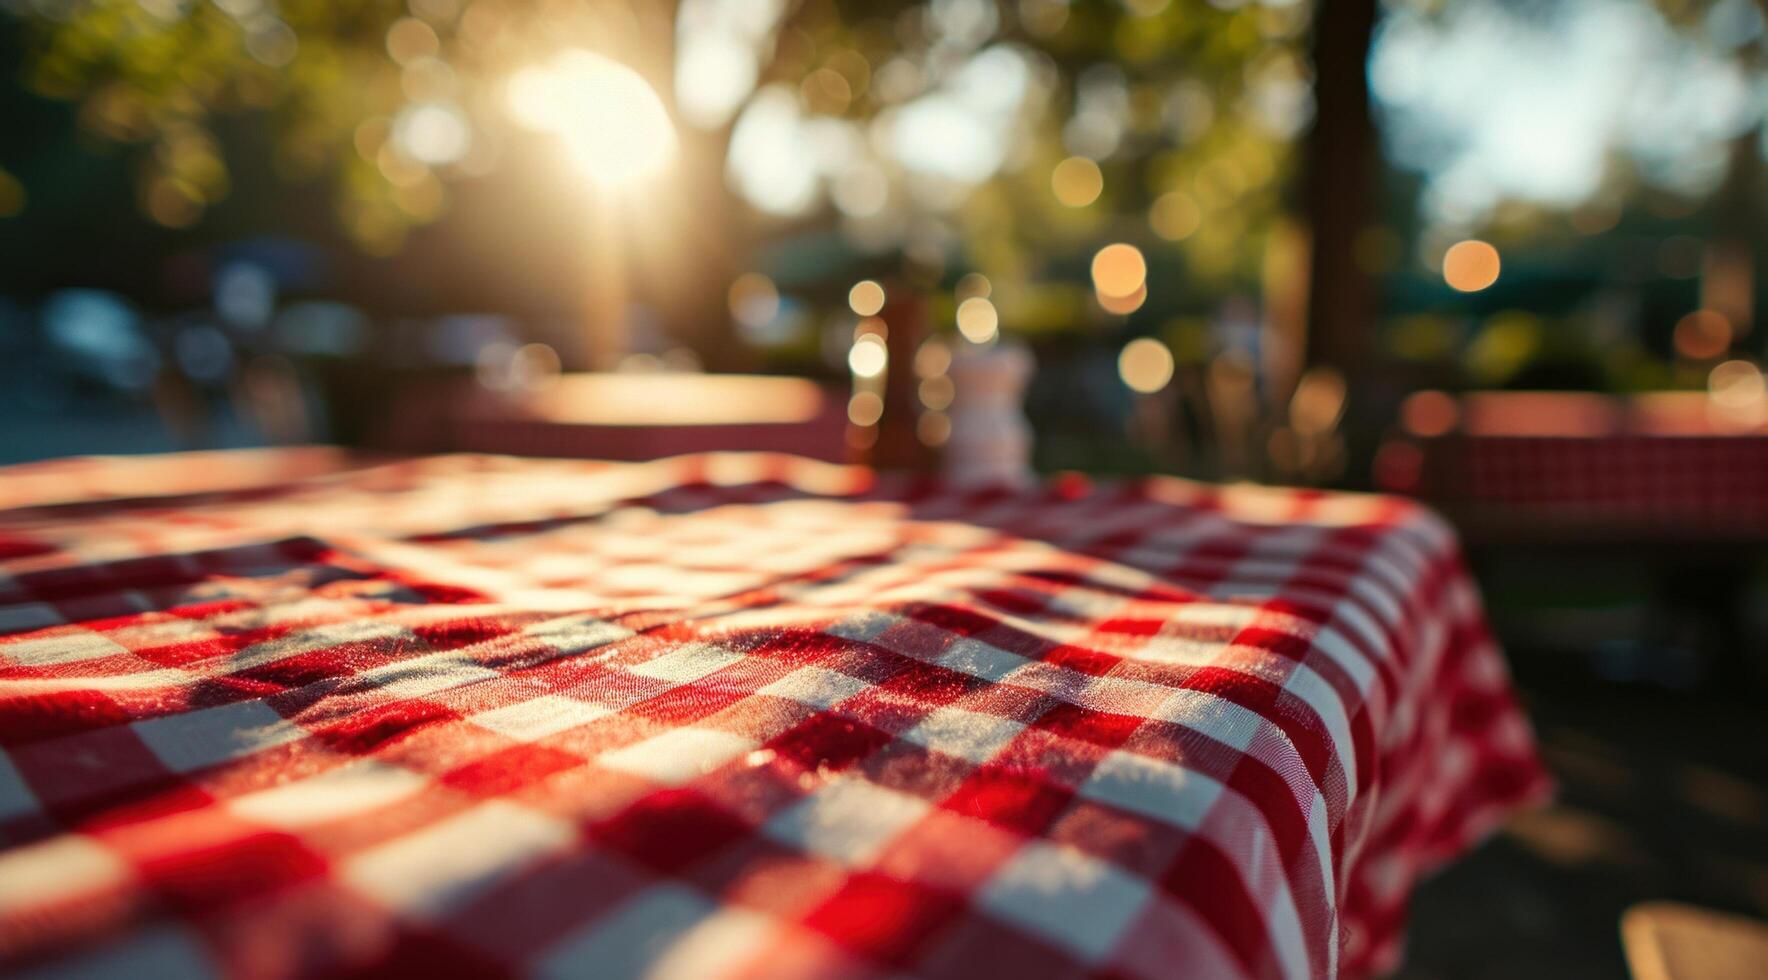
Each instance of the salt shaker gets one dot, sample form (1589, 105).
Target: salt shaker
(990, 437)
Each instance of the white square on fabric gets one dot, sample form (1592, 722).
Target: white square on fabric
(428, 872)
(54, 870)
(1071, 898)
(687, 664)
(979, 659)
(1221, 615)
(972, 735)
(849, 820)
(863, 627)
(62, 649)
(350, 789)
(1152, 788)
(537, 718)
(424, 676)
(1220, 718)
(678, 756)
(816, 686)
(664, 932)
(195, 739)
(576, 634)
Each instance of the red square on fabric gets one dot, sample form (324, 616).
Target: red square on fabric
(671, 830)
(1018, 799)
(685, 705)
(376, 728)
(198, 649)
(1131, 627)
(207, 876)
(882, 918)
(828, 741)
(453, 633)
(928, 683)
(1082, 659)
(29, 719)
(504, 772)
(1098, 727)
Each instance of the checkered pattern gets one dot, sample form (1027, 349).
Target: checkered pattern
(1711, 481)
(1659, 466)
(734, 715)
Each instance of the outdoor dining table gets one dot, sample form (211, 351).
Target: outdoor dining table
(299, 713)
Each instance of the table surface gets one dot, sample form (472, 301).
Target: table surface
(726, 715)
(1526, 469)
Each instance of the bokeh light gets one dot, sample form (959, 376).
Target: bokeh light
(1429, 413)
(1119, 270)
(1737, 396)
(1471, 265)
(866, 298)
(534, 366)
(873, 326)
(973, 284)
(938, 392)
(410, 39)
(865, 408)
(609, 117)
(1123, 305)
(530, 367)
(434, 133)
(754, 300)
(1318, 402)
(868, 357)
(978, 321)
(1145, 365)
(714, 72)
(1077, 182)
(827, 92)
(1736, 383)
(933, 359)
(1175, 216)
(934, 428)
(1703, 335)
(860, 190)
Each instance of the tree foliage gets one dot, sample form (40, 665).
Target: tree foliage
(1180, 102)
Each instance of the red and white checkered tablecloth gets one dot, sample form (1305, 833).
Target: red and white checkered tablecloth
(1553, 465)
(1715, 481)
(743, 715)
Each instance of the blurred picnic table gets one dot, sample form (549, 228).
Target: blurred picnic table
(1671, 469)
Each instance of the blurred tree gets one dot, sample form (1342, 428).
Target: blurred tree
(1511, 110)
(1627, 135)
(937, 128)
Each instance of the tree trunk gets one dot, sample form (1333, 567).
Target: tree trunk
(1340, 188)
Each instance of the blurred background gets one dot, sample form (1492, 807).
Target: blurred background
(1498, 254)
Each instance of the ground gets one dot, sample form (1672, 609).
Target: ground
(1663, 795)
